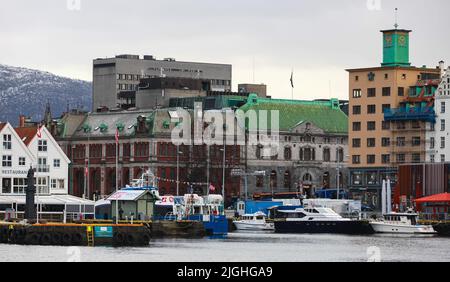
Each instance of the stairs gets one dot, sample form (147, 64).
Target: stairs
(90, 236)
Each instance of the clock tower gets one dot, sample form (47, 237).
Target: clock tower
(396, 48)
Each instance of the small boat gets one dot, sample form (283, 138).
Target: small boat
(254, 222)
(318, 220)
(401, 223)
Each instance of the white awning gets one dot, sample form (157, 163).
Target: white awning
(46, 200)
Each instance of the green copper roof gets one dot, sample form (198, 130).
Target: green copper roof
(325, 115)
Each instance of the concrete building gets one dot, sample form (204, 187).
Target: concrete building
(439, 146)
(260, 89)
(115, 80)
(373, 91)
(156, 92)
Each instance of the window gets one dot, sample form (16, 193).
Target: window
(386, 91)
(432, 158)
(442, 142)
(371, 92)
(442, 107)
(371, 142)
(356, 110)
(432, 143)
(442, 158)
(19, 185)
(371, 109)
(401, 158)
(416, 141)
(53, 184)
(416, 158)
(401, 141)
(356, 143)
(386, 125)
(370, 159)
(42, 145)
(56, 163)
(357, 93)
(404, 76)
(415, 124)
(442, 124)
(371, 126)
(22, 161)
(288, 153)
(42, 165)
(356, 159)
(326, 155)
(401, 91)
(385, 142)
(385, 159)
(7, 161)
(7, 144)
(356, 126)
(386, 76)
(386, 107)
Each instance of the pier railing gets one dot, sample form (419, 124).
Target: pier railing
(434, 216)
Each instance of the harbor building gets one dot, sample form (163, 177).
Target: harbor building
(312, 151)
(116, 80)
(26, 147)
(260, 89)
(381, 132)
(438, 150)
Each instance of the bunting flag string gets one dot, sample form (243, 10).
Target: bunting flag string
(181, 182)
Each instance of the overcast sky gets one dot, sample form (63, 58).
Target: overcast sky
(318, 39)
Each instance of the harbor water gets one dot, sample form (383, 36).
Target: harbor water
(251, 247)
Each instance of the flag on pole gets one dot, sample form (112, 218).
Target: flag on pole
(86, 169)
(117, 136)
(292, 79)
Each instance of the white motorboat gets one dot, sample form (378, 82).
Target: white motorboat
(401, 223)
(254, 222)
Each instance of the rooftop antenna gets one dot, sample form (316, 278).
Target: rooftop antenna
(396, 19)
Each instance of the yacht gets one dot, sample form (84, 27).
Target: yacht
(254, 222)
(318, 220)
(401, 223)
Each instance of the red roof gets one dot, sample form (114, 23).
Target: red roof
(26, 134)
(2, 125)
(439, 198)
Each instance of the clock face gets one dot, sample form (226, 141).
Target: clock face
(388, 40)
(402, 40)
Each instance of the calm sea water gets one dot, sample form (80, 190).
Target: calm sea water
(251, 247)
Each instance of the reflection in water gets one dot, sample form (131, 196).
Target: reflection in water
(252, 247)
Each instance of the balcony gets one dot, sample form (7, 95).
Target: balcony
(408, 114)
(43, 168)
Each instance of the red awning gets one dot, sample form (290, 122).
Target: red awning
(439, 198)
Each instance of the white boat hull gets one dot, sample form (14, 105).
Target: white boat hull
(252, 226)
(382, 227)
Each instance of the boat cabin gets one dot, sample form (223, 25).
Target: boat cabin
(404, 218)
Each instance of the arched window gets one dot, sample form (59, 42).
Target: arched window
(287, 179)
(259, 181)
(307, 177)
(273, 179)
(288, 153)
(307, 154)
(340, 155)
(326, 155)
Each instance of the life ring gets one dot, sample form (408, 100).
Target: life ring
(46, 239)
(56, 239)
(77, 239)
(66, 239)
(32, 238)
(119, 238)
(130, 240)
(145, 239)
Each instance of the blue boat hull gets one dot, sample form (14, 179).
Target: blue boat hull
(218, 224)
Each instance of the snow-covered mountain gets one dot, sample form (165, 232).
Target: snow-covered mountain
(25, 91)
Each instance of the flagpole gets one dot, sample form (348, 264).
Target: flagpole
(117, 176)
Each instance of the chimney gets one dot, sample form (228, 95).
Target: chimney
(442, 68)
(22, 121)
